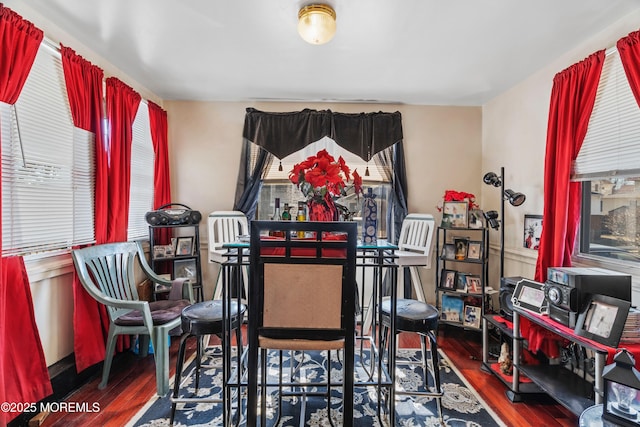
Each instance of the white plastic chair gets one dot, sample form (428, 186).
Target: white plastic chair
(414, 250)
(225, 227)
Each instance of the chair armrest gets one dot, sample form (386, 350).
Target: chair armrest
(181, 288)
(127, 304)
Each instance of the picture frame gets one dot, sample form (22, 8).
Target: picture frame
(184, 245)
(461, 248)
(472, 316)
(602, 319)
(185, 268)
(461, 282)
(452, 308)
(162, 251)
(532, 231)
(474, 284)
(474, 251)
(454, 214)
(449, 251)
(159, 252)
(476, 219)
(448, 279)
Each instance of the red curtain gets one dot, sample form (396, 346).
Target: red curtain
(84, 89)
(23, 369)
(162, 177)
(629, 50)
(122, 106)
(25, 374)
(572, 99)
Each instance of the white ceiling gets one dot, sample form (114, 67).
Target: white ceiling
(430, 52)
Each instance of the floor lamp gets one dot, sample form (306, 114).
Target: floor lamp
(514, 198)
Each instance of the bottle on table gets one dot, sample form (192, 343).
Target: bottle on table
(286, 215)
(277, 216)
(301, 217)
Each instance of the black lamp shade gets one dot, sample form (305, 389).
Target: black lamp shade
(492, 219)
(491, 178)
(514, 198)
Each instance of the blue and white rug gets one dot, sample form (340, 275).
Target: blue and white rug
(461, 405)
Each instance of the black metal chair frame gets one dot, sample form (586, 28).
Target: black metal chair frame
(426, 326)
(315, 254)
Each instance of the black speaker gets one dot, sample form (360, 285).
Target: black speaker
(507, 286)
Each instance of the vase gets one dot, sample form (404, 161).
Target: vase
(322, 209)
(369, 219)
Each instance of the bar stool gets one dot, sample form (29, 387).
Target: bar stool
(198, 320)
(420, 318)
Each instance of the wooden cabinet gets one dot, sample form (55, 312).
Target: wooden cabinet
(462, 274)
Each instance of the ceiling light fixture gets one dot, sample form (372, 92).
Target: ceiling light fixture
(317, 23)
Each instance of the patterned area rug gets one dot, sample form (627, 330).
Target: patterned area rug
(461, 405)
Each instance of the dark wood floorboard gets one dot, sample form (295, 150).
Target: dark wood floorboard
(132, 384)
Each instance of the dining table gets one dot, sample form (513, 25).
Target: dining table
(377, 273)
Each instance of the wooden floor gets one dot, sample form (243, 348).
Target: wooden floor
(132, 384)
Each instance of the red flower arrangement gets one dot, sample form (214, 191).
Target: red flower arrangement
(321, 178)
(459, 196)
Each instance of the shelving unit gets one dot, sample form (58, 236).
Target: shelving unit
(450, 298)
(571, 390)
(175, 263)
(504, 331)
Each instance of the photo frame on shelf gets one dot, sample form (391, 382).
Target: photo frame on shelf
(602, 319)
(184, 246)
(162, 251)
(461, 247)
(449, 251)
(474, 284)
(476, 218)
(185, 268)
(532, 231)
(454, 215)
(472, 316)
(448, 279)
(461, 282)
(452, 308)
(474, 252)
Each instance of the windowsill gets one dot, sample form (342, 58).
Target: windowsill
(583, 260)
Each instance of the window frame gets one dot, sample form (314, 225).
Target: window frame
(42, 126)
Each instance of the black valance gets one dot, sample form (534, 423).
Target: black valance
(363, 134)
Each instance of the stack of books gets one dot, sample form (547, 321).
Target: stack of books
(631, 331)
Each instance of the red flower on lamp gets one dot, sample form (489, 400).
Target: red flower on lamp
(321, 178)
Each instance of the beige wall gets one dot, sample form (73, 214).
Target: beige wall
(514, 136)
(442, 151)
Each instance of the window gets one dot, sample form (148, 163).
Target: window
(609, 166)
(277, 185)
(47, 166)
(141, 187)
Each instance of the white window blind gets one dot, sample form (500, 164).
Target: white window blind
(612, 144)
(47, 166)
(141, 187)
